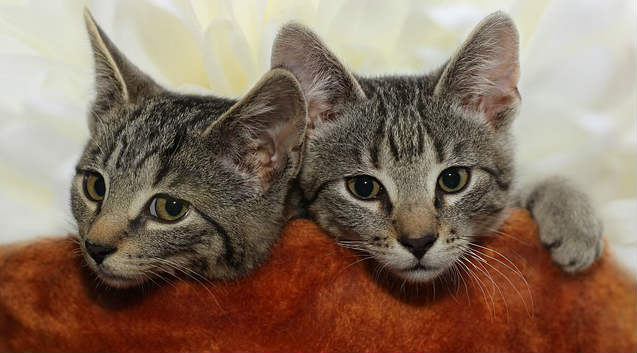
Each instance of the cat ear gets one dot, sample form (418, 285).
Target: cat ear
(484, 73)
(263, 132)
(117, 80)
(327, 84)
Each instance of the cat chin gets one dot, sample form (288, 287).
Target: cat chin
(118, 281)
(420, 274)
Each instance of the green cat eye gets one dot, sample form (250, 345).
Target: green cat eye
(94, 187)
(453, 179)
(167, 208)
(364, 187)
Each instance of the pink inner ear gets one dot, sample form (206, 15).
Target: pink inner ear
(504, 74)
(504, 93)
(273, 149)
(492, 90)
(325, 81)
(493, 105)
(484, 74)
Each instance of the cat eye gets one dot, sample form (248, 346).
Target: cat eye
(168, 209)
(364, 187)
(453, 179)
(94, 187)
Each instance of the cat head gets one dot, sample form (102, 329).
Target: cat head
(409, 169)
(182, 184)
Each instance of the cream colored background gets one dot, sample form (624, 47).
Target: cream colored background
(578, 81)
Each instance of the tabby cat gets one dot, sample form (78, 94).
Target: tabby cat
(182, 184)
(410, 169)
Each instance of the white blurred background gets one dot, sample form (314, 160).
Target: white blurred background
(578, 82)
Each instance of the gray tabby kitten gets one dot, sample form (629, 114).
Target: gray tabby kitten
(173, 183)
(410, 169)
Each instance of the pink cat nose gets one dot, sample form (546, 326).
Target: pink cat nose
(419, 246)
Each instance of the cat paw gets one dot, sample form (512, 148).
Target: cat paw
(567, 222)
(575, 251)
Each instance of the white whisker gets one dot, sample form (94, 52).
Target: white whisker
(513, 269)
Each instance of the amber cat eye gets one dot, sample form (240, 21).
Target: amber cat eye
(94, 187)
(364, 187)
(167, 208)
(453, 179)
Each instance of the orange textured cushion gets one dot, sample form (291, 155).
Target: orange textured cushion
(315, 296)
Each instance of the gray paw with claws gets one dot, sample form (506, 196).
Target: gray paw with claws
(568, 225)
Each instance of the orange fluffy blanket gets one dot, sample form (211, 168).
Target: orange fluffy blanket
(315, 296)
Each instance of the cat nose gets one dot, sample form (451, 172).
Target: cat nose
(99, 251)
(419, 246)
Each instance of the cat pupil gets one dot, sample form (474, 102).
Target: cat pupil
(364, 186)
(99, 186)
(451, 179)
(173, 207)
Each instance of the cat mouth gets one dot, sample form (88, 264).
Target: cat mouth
(419, 273)
(419, 267)
(116, 280)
